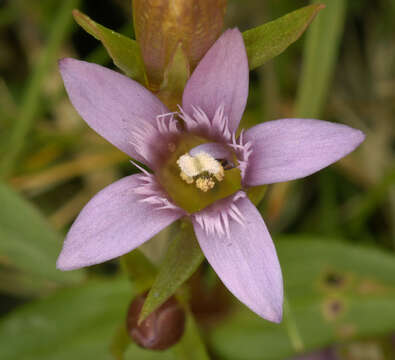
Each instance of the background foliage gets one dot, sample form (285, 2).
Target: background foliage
(335, 231)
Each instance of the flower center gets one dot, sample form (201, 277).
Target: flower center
(194, 179)
(201, 169)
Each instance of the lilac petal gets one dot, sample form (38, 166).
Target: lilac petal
(247, 261)
(113, 223)
(221, 78)
(289, 149)
(113, 105)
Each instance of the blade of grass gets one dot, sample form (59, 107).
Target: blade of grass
(30, 102)
(320, 55)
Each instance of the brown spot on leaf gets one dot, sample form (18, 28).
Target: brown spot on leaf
(346, 331)
(368, 287)
(333, 308)
(334, 280)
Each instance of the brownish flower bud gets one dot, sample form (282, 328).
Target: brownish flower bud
(160, 330)
(160, 25)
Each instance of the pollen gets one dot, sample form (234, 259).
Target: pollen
(205, 183)
(201, 169)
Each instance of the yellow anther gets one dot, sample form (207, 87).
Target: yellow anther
(205, 183)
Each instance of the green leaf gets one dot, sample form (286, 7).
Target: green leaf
(124, 51)
(320, 55)
(75, 323)
(78, 323)
(27, 241)
(269, 40)
(180, 262)
(140, 270)
(336, 293)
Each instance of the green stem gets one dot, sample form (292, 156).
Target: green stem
(31, 98)
(292, 328)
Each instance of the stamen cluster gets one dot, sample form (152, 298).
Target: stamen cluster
(201, 169)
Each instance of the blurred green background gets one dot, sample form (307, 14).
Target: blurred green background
(334, 231)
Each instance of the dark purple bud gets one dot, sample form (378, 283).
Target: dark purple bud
(160, 330)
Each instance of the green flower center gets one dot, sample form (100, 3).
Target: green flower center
(195, 182)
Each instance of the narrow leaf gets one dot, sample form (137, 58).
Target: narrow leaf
(78, 323)
(74, 323)
(180, 262)
(320, 55)
(269, 40)
(125, 52)
(27, 241)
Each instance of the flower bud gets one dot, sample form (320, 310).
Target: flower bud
(160, 25)
(160, 330)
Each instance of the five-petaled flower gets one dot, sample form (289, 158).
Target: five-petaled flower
(200, 170)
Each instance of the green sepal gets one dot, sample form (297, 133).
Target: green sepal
(256, 194)
(269, 40)
(140, 271)
(124, 52)
(175, 78)
(181, 260)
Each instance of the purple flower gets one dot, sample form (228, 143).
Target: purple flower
(195, 166)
